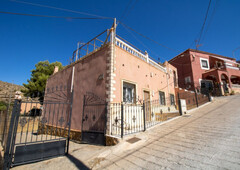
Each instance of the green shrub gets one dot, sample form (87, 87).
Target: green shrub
(3, 105)
(232, 92)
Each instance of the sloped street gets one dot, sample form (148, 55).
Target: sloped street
(207, 138)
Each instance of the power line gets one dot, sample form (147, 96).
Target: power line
(125, 10)
(138, 39)
(46, 16)
(233, 52)
(61, 9)
(205, 19)
(149, 38)
(211, 18)
(128, 9)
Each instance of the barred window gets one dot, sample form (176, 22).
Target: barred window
(172, 99)
(129, 92)
(162, 98)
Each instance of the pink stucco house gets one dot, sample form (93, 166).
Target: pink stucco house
(118, 73)
(197, 68)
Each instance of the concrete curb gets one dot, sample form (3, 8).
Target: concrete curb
(192, 110)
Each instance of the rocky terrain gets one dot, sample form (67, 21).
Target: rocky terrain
(8, 88)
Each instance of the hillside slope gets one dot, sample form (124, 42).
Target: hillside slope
(8, 88)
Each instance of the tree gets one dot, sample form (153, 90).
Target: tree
(37, 83)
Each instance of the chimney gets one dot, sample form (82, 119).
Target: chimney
(165, 63)
(55, 69)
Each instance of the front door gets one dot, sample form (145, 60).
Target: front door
(94, 119)
(147, 105)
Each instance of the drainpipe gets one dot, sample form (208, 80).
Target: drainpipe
(73, 71)
(71, 106)
(167, 74)
(77, 52)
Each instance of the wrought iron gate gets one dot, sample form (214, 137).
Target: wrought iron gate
(94, 119)
(39, 130)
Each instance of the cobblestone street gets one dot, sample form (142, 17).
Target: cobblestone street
(208, 139)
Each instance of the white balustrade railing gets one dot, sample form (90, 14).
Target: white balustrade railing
(137, 53)
(157, 65)
(232, 67)
(236, 85)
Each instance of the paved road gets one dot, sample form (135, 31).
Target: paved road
(208, 139)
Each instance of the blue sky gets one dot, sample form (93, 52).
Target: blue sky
(26, 40)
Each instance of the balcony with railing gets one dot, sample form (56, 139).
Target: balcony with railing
(138, 53)
(94, 44)
(236, 86)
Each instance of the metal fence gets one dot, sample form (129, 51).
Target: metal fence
(4, 127)
(37, 129)
(127, 119)
(90, 46)
(157, 111)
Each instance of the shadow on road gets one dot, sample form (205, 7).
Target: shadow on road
(77, 162)
(164, 135)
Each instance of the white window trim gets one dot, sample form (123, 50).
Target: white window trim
(204, 59)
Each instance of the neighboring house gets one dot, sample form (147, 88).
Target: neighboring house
(116, 72)
(206, 71)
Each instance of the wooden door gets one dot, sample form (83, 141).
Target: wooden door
(147, 105)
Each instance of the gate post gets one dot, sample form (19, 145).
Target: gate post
(179, 105)
(121, 120)
(8, 154)
(209, 96)
(82, 118)
(69, 123)
(4, 126)
(144, 117)
(106, 121)
(196, 97)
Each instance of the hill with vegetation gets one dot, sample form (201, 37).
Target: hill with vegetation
(7, 91)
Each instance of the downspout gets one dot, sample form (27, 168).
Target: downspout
(71, 105)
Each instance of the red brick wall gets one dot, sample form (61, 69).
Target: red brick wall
(184, 68)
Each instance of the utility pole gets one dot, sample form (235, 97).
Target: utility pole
(115, 25)
(113, 31)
